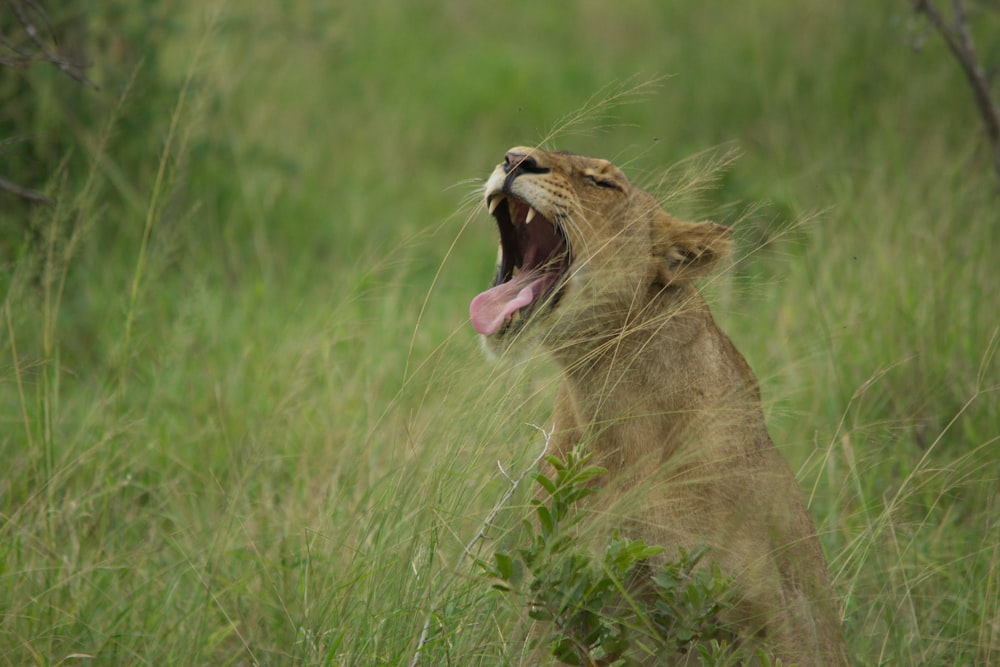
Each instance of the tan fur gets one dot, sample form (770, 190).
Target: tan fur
(665, 401)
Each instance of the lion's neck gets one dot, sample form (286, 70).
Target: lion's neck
(664, 377)
(628, 342)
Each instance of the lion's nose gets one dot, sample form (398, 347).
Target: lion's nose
(521, 162)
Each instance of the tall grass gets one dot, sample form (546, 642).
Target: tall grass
(245, 420)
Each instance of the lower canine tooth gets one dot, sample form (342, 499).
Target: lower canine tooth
(531, 214)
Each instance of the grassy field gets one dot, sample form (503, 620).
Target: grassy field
(245, 419)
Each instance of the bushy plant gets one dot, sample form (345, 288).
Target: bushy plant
(610, 608)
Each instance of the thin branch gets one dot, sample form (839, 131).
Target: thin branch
(20, 54)
(958, 38)
(26, 193)
(487, 524)
(74, 70)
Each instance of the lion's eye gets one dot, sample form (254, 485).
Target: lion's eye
(602, 182)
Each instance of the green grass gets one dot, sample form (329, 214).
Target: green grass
(245, 420)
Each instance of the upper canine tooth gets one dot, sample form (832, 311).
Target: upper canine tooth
(531, 214)
(495, 202)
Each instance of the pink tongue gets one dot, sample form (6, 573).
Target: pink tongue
(489, 310)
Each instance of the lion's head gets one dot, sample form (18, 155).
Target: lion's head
(580, 248)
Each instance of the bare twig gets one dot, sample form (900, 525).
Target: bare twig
(958, 38)
(26, 193)
(18, 54)
(71, 68)
(514, 483)
(487, 524)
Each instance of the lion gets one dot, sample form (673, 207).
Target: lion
(595, 271)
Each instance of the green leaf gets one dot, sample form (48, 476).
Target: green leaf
(545, 519)
(505, 565)
(666, 579)
(546, 483)
(556, 463)
(587, 474)
(565, 652)
(540, 614)
(517, 573)
(560, 544)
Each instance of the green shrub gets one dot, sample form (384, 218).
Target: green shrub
(608, 608)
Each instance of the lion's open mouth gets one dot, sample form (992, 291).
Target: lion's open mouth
(534, 257)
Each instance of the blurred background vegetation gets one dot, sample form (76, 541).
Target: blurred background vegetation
(244, 418)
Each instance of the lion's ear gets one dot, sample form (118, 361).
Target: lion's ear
(687, 251)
